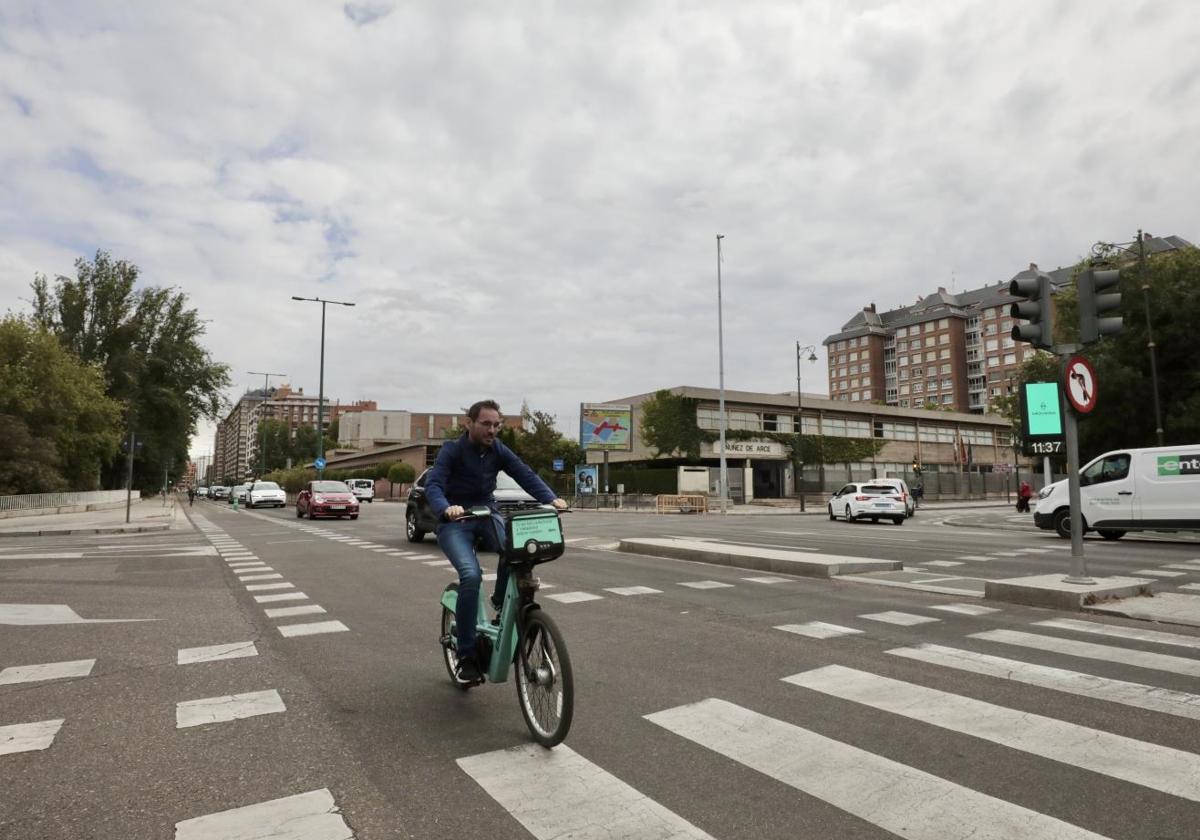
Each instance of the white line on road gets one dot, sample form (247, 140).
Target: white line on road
(272, 576)
(901, 618)
(633, 590)
(1178, 703)
(289, 630)
(965, 609)
(706, 584)
(284, 612)
(575, 597)
(818, 630)
(286, 596)
(903, 800)
(211, 653)
(1089, 650)
(228, 707)
(575, 798)
(767, 579)
(1171, 771)
(27, 737)
(305, 816)
(261, 587)
(1135, 633)
(46, 671)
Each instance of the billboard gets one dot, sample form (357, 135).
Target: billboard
(586, 479)
(606, 427)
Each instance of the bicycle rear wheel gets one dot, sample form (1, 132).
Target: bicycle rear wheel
(449, 641)
(545, 685)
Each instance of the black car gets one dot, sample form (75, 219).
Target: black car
(418, 515)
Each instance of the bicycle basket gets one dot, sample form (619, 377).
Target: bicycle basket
(534, 536)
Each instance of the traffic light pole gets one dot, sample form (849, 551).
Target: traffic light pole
(1078, 574)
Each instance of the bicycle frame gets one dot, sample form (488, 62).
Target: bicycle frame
(503, 637)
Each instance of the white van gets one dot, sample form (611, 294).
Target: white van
(362, 488)
(1154, 489)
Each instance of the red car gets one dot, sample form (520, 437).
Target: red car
(326, 498)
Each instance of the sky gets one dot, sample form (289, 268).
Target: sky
(522, 199)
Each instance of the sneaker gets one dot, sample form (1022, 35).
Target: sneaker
(468, 672)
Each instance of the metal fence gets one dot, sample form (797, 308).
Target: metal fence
(40, 501)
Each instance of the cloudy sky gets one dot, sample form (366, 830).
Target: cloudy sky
(523, 198)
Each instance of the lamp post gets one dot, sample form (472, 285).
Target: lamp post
(724, 481)
(321, 379)
(811, 350)
(262, 453)
(1097, 250)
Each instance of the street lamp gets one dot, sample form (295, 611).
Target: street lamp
(262, 455)
(811, 350)
(721, 374)
(321, 379)
(1097, 250)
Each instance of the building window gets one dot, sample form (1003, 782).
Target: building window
(930, 340)
(944, 323)
(904, 374)
(903, 389)
(858, 429)
(866, 380)
(854, 397)
(945, 354)
(1010, 358)
(947, 399)
(903, 331)
(946, 368)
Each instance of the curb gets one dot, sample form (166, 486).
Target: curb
(66, 532)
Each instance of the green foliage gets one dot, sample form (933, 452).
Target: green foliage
(303, 447)
(401, 473)
(292, 480)
(538, 442)
(668, 426)
(817, 449)
(59, 427)
(147, 343)
(274, 438)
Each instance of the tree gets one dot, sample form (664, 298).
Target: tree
(58, 426)
(669, 426)
(303, 447)
(539, 443)
(147, 343)
(401, 473)
(275, 438)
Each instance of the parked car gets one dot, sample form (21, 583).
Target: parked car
(1156, 489)
(362, 488)
(867, 500)
(326, 498)
(265, 494)
(202, 492)
(238, 492)
(220, 491)
(910, 503)
(418, 514)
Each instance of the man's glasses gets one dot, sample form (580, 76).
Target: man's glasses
(487, 425)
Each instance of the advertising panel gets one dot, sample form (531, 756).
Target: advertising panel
(586, 480)
(606, 427)
(1041, 415)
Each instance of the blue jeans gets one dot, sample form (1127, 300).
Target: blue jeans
(457, 540)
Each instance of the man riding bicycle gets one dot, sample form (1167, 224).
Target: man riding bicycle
(464, 476)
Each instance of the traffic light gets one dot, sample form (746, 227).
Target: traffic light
(1036, 307)
(916, 467)
(1093, 305)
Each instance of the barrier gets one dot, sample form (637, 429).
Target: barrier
(681, 504)
(46, 503)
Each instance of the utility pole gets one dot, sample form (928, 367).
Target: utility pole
(1158, 426)
(812, 357)
(129, 475)
(262, 452)
(721, 373)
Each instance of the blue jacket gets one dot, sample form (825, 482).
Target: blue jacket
(465, 474)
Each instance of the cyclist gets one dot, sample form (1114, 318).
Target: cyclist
(464, 476)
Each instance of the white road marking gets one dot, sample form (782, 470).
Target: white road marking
(438, 563)
(227, 708)
(767, 579)
(211, 653)
(1178, 703)
(245, 569)
(575, 798)
(47, 671)
(1159, 573)
(1190, 566)
(27, 737)
(901, 618)
(902, 800)
(261, 587)
(575, 597)
(818, 630)
(975, 558)
(272, 576)
(305, 816)
(284, 612)
(965, 609)
(286, 596)
(706, 584)
(285, 542)
(42, 614)
(633, 590)
(1006, 554)
(940, 563)
(1190, 586)
(1171, 771)
(45, 555)
(1089, 650)
(1135, 633)
(289, 630)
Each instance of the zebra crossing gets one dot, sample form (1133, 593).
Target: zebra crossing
(578, 798)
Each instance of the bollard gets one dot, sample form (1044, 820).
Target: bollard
(235, 501)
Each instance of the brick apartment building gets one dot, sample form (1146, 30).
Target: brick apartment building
(953, 350)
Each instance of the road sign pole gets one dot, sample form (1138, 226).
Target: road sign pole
(1078, 574)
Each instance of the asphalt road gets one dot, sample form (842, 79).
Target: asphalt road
(878, 713)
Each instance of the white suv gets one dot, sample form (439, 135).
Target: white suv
(906, 496)
(867, 500)
(362, 488)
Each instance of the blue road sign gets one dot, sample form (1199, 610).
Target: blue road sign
(558, 464)
(319, 463)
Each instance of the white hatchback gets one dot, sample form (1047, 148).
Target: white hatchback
(867, 500)
(264, 494)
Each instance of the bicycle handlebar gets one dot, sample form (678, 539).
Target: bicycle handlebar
(482, 512)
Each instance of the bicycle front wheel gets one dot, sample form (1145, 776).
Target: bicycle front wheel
(545, 685)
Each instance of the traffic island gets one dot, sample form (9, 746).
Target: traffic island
(1053, 592)
(780, 561)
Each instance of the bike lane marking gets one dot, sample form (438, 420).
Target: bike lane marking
(306, 816)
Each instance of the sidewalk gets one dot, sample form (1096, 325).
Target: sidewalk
(144, 515)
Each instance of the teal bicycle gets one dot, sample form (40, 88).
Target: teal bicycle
(523, 635)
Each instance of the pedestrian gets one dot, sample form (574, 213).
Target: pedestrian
(1023, 496)
(191, 495)
(918, 493)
